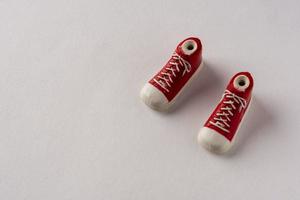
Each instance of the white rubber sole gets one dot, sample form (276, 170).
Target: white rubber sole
(216, 142)
(156, 100)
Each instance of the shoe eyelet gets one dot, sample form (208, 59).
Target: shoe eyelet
(189, 47)
(241, 83)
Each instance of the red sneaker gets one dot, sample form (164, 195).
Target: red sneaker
(159, 93)
(218, 132)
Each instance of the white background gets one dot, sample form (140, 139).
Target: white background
(72, 125)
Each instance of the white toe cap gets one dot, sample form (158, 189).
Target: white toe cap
(154, 98)
(213, 141)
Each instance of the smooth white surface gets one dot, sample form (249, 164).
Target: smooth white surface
(72, 125)
(213, 141)
(154, 98)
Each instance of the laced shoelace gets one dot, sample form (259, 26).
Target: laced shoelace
(223, 118)
(166, 78)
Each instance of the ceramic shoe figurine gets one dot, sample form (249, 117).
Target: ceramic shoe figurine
(160, 92)
(219, 131)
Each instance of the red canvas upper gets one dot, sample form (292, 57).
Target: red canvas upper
(228, 114)
(178, 70)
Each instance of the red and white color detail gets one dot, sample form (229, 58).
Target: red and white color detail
(160, 92)
(220, 129)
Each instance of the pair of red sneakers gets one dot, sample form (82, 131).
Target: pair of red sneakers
(185, 63)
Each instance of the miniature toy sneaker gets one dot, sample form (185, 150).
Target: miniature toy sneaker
(160, 92)
(220, 129)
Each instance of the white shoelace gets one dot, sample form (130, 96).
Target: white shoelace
(165, 79)
(224, 117)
